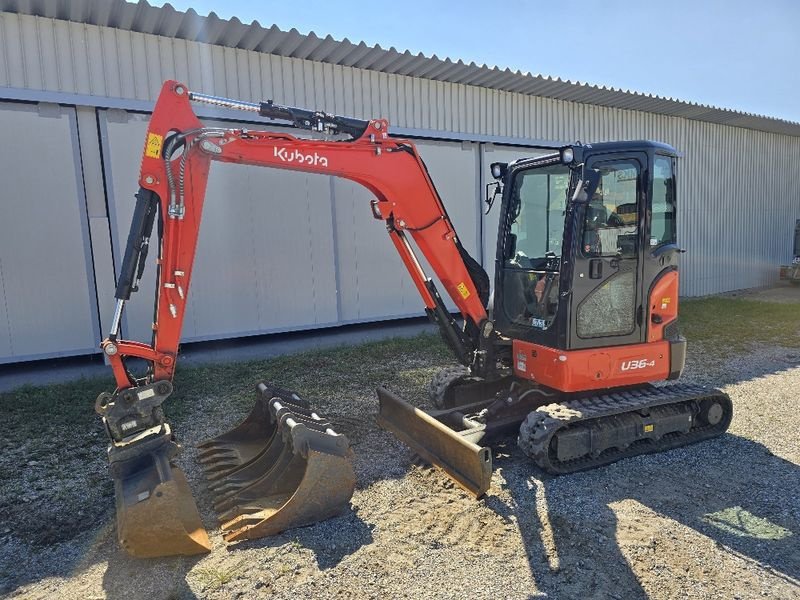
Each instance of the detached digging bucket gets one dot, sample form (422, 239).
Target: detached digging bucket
(282, 467)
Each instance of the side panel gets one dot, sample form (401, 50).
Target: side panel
(663, 305)
(47, 301)
(592, 369)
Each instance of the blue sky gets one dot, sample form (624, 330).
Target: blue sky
(737, 54)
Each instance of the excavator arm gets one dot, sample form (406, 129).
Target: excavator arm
(175, 165)
(284, 465)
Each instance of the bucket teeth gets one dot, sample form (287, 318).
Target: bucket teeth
(216, 453)
(284, 466)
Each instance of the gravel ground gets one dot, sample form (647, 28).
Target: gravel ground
(719, 519)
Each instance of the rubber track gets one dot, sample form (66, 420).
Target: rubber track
(540, 426)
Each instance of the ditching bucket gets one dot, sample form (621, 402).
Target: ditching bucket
(156, 514)
(282, 467)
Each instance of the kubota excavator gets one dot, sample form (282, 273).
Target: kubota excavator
(582, 324)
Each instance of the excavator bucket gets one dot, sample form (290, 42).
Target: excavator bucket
(282, 467)
(156, 514)
(436, 442)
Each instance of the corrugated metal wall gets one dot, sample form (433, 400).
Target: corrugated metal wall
(736, 217)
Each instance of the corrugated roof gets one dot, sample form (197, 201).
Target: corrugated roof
(189, 25)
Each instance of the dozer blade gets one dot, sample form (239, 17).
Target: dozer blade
(156, 514)
(282, 467)
(465, 462)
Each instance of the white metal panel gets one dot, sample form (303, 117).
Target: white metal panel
(294, 249)
(46, 280)
(94, 189)
(265, 255)
(373, 282)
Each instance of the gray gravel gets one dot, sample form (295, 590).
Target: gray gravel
(720, 519)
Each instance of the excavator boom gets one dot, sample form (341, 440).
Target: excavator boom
(405, 198)
(284, 466)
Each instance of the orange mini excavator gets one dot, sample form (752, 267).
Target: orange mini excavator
(583, 322)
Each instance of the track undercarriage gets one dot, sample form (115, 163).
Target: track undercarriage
(562, 433)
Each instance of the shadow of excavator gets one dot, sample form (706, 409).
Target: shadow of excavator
(730, 489)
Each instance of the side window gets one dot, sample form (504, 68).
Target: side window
(662, 221)
(612, 215)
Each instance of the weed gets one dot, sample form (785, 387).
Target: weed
(216, 577)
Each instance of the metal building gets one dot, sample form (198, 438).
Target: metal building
(285, 251)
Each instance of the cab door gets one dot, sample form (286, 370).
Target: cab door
(661, 251)
(606, 299)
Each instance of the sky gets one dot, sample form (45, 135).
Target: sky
(737, 54)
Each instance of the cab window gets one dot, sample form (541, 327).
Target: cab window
(662, 223)
(612, 214)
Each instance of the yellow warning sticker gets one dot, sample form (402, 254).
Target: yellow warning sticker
(649, 428)
(666, 300)
(462, 289)
(153, 148)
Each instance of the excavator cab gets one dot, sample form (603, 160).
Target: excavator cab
(584, 237)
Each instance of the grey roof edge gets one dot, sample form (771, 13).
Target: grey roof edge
(166, 21)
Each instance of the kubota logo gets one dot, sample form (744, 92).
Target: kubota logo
(300, 157)
(643, 363)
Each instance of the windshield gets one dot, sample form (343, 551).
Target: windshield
(530, 283)
(539, 199)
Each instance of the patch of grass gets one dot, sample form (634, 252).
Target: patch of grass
(216, 577)
(295, 545)
(63, 414)
(46, 414)
(38, 412)
(741, 523)
(730, 326)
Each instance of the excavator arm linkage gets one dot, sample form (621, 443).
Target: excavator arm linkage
(284, 465)
(174, 172)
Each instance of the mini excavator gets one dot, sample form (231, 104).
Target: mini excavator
(582, 324)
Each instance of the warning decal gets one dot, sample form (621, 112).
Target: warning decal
(462, 289)
(153, 148)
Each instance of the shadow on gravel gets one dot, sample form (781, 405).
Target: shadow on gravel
(732, 490)
(331, 540)
(127, 577)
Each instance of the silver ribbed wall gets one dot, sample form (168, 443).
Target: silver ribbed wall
(738, 199)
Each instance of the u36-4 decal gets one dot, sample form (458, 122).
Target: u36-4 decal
(641, 363)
